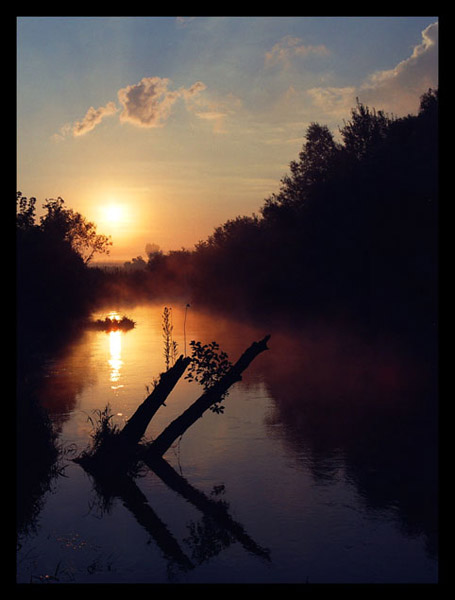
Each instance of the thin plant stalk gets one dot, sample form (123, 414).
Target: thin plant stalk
(184, 329)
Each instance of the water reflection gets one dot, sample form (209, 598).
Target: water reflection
(341, 408)
(115, 360)
(369, 408)
(216, 530)
(64, 378)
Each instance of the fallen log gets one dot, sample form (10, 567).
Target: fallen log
(136, 426)
(212, 396)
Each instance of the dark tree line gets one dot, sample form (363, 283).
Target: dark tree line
(352, 231)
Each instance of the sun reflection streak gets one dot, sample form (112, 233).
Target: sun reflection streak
(115, 361)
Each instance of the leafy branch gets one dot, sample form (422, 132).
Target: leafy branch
(208, 365)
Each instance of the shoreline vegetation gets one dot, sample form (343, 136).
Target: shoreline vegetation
(112, 324)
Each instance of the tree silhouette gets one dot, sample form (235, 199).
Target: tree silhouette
(64, 224)
(352, 231)
(53, 281)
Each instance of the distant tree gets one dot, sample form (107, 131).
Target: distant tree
(152, 250)
(155, 256)
(136, 264)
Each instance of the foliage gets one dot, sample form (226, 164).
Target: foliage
(365, 132)
(208, 365)
(316, 162)
(66, 225)
(59, 227)
(54, 283)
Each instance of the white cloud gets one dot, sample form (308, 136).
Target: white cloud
(399, 89)
(147, 103)
(290, 47)
(395, 90)
(92, 118)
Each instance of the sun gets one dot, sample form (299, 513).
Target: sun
(113, 213)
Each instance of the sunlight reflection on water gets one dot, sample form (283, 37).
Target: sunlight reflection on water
(115, 360)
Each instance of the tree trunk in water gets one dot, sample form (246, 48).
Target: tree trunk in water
(213, 395)
(135, 428)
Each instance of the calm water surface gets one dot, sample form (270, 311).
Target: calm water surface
(324, 459)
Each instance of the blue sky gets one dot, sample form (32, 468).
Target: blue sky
(185, 122)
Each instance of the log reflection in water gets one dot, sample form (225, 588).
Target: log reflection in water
(217, 530)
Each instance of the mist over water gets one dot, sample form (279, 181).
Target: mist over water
(325, 459)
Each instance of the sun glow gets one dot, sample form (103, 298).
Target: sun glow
(114, 213)
(115, 360)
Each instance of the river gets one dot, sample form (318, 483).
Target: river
(324, 457)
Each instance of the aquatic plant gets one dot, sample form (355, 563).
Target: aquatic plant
(103, 428)
(184, 328)
(170, 346)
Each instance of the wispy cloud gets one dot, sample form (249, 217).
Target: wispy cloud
(92, 118)
(289, 48)
(216, 110)
(216, 118)
(333, 101)
(64, 131)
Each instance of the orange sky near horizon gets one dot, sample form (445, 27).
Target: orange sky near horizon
(160, 129)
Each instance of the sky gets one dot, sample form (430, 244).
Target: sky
(160, 129)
